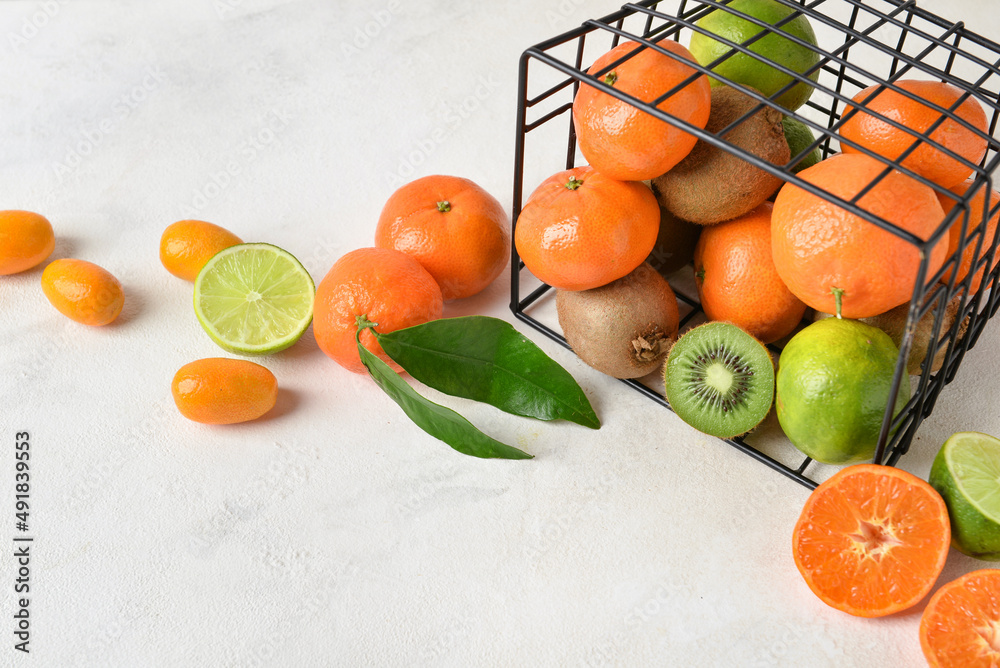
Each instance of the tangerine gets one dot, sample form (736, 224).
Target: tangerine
(620, 140)
(976, 205)
(26, 239)
(737, 281)
(217, 390)
(890, 142)
(580, 229)
(187, 245)
(960, 627)
(454, 228)
(826, 254)
(83, 292)
(387, 286)
(872, 540)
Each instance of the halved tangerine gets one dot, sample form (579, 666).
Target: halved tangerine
(872, 540)
(960, 626)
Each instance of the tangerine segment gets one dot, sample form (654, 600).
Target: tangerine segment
(960, 627)
(890, 142)
(187, 245)
(454, 228)
(872, 540)
(625, 143)
(819, 247)
(26, 239)
(83, 292)
(581, 230)
(218, 390)
(388, 286)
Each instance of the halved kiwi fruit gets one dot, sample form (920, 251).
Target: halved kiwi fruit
(719, 379)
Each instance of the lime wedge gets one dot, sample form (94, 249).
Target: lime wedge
(254, 299)
(966, 472)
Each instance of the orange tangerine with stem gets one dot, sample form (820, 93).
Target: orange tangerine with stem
(387, 286)
(581, 230)
(825, 253)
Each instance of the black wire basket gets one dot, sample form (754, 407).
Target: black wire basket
(880, 42)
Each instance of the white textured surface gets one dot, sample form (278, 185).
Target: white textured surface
(334, 532)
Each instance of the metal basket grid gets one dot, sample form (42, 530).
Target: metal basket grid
(881, 42)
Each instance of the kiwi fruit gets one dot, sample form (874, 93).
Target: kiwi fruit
(625, 328)
(893, 323)
(719, 379)
(710, 184)
(675, 243)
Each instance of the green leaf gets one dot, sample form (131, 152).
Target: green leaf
(438, 421)
(487, 360)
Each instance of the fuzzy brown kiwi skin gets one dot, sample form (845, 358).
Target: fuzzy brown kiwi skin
(893, 323)
(623, 329)
(675, 243)
(711, 185)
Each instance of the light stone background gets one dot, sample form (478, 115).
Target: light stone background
(334, 532)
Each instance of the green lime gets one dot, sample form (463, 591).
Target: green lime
(966, 472)
(751, 71)
(254, 299)
(799, 138)
(832, 387)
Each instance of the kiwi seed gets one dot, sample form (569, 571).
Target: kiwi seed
(710, 184)
(623, 329)
(719, 379)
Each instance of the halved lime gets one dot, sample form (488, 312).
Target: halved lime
(254, 299)
(966, 472)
